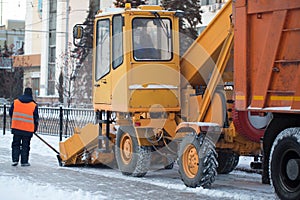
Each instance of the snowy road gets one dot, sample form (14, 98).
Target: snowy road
(44, 179)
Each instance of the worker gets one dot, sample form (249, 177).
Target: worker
(143, 46)
(24, 122)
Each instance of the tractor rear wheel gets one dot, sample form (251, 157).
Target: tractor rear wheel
(132, 159)
(227, 161)
(285, 164)
(197, 161)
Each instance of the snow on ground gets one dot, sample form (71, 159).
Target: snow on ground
(236, 185)
(15, 188)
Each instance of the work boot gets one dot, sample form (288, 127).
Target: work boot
(25, 164)
(14, 163)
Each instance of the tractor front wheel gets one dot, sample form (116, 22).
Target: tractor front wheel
(197, 161)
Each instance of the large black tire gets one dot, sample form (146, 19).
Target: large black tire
(197, 161)
(132, 159)
(284, 164)
(227, 161)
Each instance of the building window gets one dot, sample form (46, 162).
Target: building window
(208, 2)
(35, 82)
(52, 54)
(53, 5)
(51, 78)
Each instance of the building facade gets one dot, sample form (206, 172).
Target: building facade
(49, 24)
(11, 41)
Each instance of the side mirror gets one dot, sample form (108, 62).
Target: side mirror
(179, 13)
(77, 31)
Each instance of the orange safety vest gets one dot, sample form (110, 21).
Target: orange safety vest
(22, 118)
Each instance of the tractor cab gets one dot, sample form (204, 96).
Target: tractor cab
(136, 59)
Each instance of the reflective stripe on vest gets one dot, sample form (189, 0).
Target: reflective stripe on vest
(22, 118)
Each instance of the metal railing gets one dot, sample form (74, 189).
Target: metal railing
(54, 121)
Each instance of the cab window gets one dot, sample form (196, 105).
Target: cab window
(117, 41)
(152, 39)
(102, 49)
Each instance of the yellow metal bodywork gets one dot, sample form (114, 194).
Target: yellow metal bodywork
(79, 141)
(124, 89)
(208, 62)
(204, 64)
(147, 98)
(84, 140)
(237, 143)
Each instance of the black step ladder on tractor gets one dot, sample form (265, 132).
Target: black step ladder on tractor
(104, 139)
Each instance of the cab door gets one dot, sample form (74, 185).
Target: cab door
(102, 63)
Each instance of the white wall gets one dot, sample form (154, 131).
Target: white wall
(44, 50)
(33, 40)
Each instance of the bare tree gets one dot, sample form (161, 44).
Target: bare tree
(66, 77)
(82, 60)
(11, 84)
(134, 3)
(74, 81)
(188, 23)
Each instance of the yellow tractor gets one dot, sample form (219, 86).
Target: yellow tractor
(154, 107)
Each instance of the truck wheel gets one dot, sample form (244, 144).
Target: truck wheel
(227, 161)
(132, 159)
(197, 161)
(285, 164)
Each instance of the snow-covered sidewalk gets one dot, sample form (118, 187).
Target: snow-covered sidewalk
(44, 179)
(17, 187)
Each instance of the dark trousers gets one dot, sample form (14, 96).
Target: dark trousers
(20, 146)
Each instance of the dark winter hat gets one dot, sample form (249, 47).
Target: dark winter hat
(28, 91)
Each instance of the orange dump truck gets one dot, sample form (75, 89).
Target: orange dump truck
(267, 80)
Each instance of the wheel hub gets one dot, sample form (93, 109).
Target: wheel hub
(293, 169)
(126, 149)
(191, 161)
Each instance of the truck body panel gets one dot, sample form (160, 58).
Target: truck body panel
(267, 56)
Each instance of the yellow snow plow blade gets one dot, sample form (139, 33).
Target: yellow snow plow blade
(74, 146)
